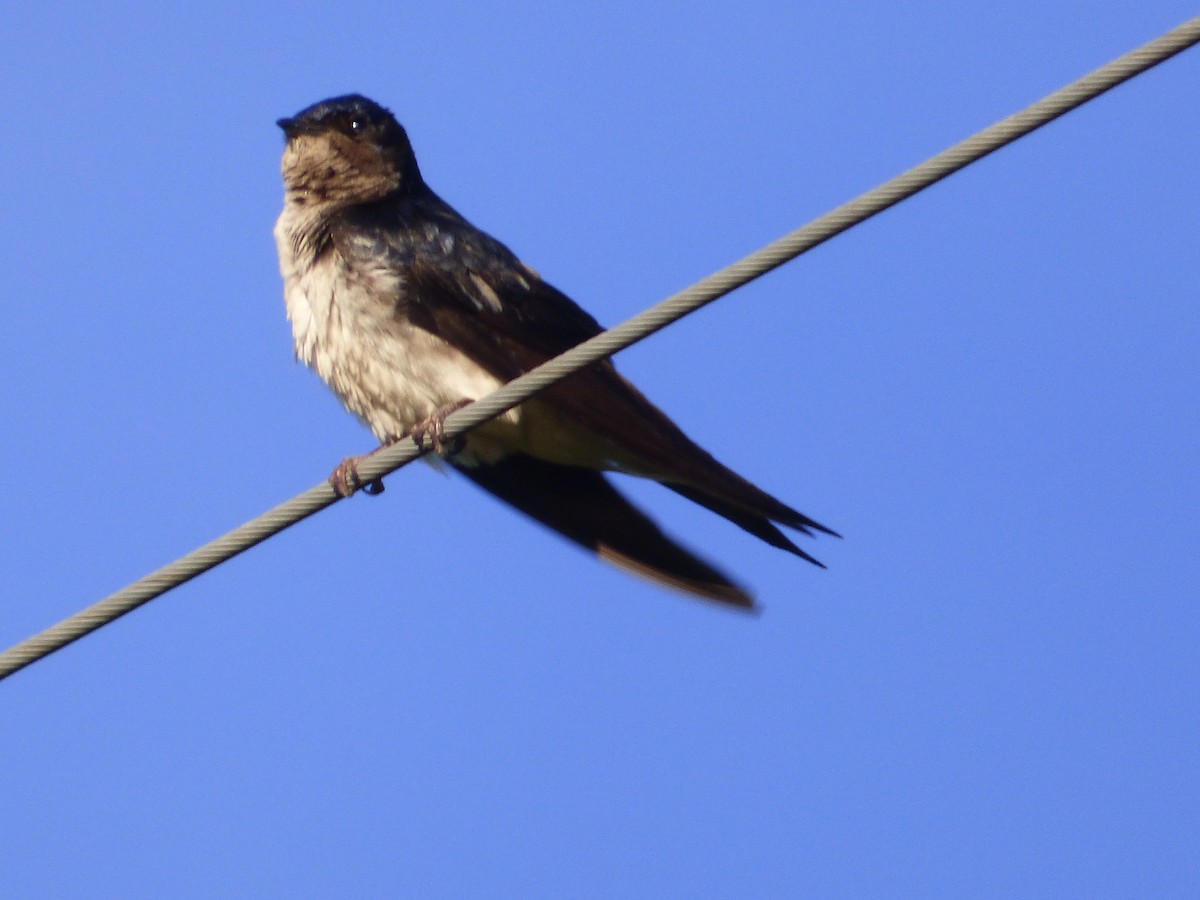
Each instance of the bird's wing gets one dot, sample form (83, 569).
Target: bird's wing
(581, 505)
(471, 291)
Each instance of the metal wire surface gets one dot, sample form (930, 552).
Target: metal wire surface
(640, 326)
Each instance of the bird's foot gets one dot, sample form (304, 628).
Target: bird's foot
(432, 428)
(345, 479)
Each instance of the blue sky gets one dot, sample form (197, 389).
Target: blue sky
(991, 390)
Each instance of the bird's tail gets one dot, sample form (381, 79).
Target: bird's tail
(582, 505)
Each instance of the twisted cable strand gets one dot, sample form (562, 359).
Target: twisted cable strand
(602, 345)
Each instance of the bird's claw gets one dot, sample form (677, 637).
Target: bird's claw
(345, 479)
(433, 427)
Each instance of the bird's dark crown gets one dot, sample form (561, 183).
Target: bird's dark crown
(352, 114)
(347, 150)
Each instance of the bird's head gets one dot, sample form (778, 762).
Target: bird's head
(346, 150)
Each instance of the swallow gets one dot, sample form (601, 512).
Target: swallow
(407, 311)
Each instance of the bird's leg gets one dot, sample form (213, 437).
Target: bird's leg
(433, 427)
(346, 480)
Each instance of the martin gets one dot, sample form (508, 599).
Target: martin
(408, 312)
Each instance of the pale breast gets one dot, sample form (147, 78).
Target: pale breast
(346, 327)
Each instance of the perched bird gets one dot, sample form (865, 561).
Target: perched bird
(408, 311)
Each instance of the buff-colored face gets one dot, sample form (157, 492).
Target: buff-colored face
(344, 154)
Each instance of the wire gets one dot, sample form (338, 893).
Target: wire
(640, 326)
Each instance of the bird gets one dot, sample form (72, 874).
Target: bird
(407, 312)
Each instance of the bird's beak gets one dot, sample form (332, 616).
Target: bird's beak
(288, 126)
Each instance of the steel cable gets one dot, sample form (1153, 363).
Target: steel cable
(640, 326)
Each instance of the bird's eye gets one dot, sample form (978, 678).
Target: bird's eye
(358, 124)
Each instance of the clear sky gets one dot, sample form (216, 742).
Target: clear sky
(991, 390)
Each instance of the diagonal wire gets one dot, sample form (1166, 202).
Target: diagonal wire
(640, 326)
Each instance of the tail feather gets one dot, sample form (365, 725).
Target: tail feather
(756, 523)
(621, 414)
(725, 492)
(581, 505)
